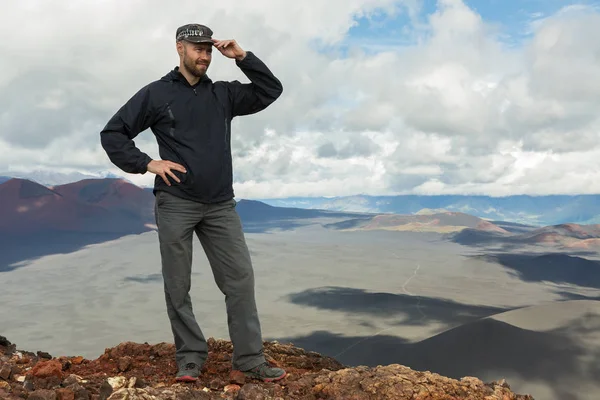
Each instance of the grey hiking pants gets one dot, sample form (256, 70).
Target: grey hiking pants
(219, 230)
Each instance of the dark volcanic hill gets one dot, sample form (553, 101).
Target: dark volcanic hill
(260, 217)
(36, 220)
(116, 195)
(86, 207)
(565, 236)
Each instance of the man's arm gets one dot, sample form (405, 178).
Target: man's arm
(264, 89)
(118, 134)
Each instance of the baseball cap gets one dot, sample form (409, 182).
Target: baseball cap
(194, 33)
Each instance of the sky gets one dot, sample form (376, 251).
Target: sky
(381, 97)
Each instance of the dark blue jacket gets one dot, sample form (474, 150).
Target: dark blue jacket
(192, 125)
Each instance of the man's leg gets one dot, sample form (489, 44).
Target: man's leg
(222, 238)
(176, 219)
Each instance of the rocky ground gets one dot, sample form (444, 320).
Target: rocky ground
(133, 371)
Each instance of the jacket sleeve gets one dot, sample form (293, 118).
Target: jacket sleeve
(264, 88)
(133, 117)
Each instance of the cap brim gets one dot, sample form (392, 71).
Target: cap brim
(198, 40)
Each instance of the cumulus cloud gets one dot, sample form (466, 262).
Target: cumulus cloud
(455, 110)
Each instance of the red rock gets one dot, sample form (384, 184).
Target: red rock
(6, 372)
(4, 395)
(77, 360)
(124, 363)
(216, 384)
(65, 394)
(24, 360)
(46, 369)
(237, 377)
(231, 388)
(252, 391)
(42, 394)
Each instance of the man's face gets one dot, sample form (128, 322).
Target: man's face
(196, 57)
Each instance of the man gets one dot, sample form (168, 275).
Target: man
(190, 117)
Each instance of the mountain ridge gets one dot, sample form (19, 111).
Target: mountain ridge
(528, 209)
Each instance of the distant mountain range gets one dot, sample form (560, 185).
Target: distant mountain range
(116, 205)
(38, 219)
(532, 210)
(49, 178)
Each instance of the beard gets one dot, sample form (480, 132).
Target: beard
(195, 68)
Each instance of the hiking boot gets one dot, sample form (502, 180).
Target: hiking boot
(189, 373)
(266, 373)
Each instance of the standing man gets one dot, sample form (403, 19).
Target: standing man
(190, 115)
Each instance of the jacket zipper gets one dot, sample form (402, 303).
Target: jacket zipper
(172, 117)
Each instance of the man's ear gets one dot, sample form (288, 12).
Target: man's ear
(180, 48)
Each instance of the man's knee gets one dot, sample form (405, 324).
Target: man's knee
(241, 282)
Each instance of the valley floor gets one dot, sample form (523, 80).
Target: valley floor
(364, 298)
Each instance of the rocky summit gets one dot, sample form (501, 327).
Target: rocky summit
(132, 371)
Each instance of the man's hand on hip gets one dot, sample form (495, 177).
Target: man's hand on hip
(230, 49)
(163, 168)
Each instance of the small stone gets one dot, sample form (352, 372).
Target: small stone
(215, 384)
(65, 362)
(20, 391)
(29, 386)
(140, 382)
(231, 388)
(252, 391)
(80, 392)
(65, 394)
(124, 363)
(23, 360)
(20, 378)
(4, 385)
(5, 372)
(237, 377)
(42, 394)
(4, 341)
(46, 369)
(105, 390)
(117, 382)
(4, 394)
(77, 360)
(43, 354)
(132, 382)
(16, 370)
(71, 379)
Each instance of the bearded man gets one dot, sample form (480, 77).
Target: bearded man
(190, 116)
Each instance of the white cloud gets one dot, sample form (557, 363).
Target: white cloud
(455, 111)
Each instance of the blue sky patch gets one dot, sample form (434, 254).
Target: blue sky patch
(511, 18)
